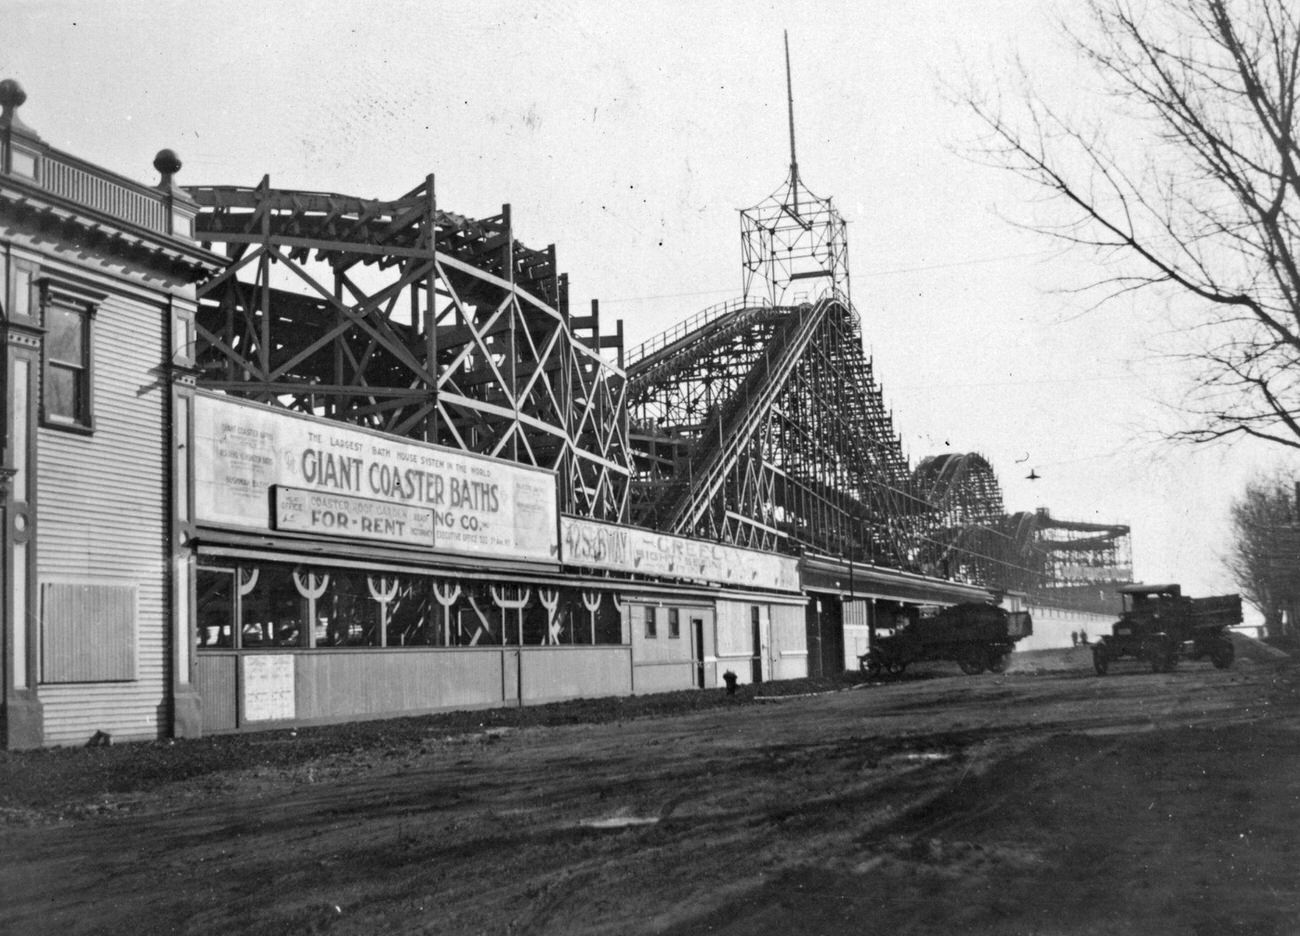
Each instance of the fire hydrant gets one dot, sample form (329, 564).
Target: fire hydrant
(730, 679)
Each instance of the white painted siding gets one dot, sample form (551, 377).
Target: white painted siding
(102, 519)
(736, 647)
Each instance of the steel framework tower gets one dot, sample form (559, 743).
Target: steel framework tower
(399, 316)
(759, 422)
(794, 246)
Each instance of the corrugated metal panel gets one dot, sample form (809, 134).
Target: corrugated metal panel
(215, 680)
(102, 511)
(88, 632)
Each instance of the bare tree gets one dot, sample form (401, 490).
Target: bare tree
(1263, 557)
(1202, 194)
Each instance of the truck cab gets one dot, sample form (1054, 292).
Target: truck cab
(1160, 625)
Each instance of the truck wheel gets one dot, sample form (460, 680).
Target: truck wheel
(869, 664)
(998, 662)
(1221, 654)
(972, 661)
(895, 667)
(1100, 662)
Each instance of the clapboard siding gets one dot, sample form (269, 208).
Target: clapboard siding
(102, 519)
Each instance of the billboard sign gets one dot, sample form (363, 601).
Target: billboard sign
(645, 552)
(470, 503)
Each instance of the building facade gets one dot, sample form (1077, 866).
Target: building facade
(226, 505)
(98, 290)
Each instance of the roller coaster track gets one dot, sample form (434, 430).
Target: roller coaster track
(411, 320)
(738, 422)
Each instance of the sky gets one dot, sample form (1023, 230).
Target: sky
(630, 136)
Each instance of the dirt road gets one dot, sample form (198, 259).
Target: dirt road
(1054, 803)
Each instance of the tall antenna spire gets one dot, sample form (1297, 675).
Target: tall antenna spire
(794, 243)
(789, 91)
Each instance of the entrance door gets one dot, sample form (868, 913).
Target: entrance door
(756, 623)
(697, 630)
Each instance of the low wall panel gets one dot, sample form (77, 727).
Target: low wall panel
(663, 677)
(370, 683)
(572, 672)
(338, 686)
(216, 683)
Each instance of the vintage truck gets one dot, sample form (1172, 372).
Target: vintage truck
(1159, 626)
(975, 636)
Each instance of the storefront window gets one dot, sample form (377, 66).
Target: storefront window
(608, 624)
(347, 615)
(271, 611)
(247, 606)
(536, 624)
(215, 618)
(413, 615)
(478, 620)
(260, 605)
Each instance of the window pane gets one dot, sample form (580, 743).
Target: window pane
(64, 335)
(536, 624)
(62, 393)
(271, 610)
(478, 620)
(215, 621)
(347, 615)
(413, 615)
(608, 622)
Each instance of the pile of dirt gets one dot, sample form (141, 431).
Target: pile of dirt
(1248, 648)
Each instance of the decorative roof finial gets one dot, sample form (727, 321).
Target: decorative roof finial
(12, 97)
(168, 164)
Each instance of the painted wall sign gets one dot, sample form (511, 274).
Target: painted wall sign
(480, 505)
(268, 687)
(344, 515)
(628, 549)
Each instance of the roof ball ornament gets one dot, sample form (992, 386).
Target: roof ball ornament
(168, 164)
(12, 97)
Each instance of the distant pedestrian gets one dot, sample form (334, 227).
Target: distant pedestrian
(1074, 638)
(1083, 637)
